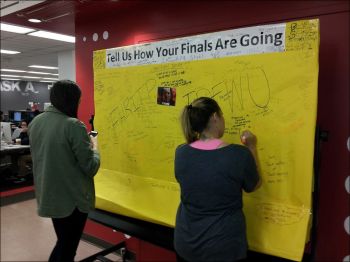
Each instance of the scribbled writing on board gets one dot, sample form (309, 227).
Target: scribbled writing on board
(252, 83)
(281, 214)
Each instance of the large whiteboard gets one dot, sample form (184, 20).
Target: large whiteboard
(265, 84)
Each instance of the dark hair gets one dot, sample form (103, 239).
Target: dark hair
(195, 117)
(65, 96)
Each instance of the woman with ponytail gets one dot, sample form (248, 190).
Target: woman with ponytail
(210, 224)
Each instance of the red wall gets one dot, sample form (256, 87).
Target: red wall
(141, 21)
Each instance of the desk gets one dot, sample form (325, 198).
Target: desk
(14, 149)
(9, 157)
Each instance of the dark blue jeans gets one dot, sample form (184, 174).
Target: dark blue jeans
(68, 231)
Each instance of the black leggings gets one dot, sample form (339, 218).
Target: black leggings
(68, 231)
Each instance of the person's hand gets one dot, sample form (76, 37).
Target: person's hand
(94, 143)
(248, 139)
(24, 129)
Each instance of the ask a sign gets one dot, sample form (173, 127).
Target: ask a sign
(25, 88)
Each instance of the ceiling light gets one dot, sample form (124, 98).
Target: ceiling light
(48, 78)
(12, 79)
(44, 67)
(3, 51)
(54, 36)
(12, 70)
(10, 75)
(38, 73)
(54, 74)
(15, 29)
(30, 76)
(33, 20)
(46, 81)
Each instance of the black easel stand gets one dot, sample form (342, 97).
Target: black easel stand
(320, 136)
(158, 235)
(100, 256)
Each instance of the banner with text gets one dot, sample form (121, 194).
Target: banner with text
(253, 40)
(264, 78)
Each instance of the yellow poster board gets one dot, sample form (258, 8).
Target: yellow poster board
(270, 90)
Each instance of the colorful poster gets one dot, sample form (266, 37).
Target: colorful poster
(265, 80)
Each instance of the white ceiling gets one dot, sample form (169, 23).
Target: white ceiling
(34, 51)
(9, 6)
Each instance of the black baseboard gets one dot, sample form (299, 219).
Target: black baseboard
(8, 200)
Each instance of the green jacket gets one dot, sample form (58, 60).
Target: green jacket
(63, 164)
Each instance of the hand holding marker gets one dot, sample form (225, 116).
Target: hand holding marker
(248, 139)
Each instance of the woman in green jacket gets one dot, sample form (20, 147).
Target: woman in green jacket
(65, 160)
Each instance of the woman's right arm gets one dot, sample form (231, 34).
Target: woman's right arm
(84, 148)
(249, 140)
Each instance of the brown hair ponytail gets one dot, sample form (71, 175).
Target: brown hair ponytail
(195, 117)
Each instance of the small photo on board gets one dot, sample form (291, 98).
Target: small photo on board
(166, 96)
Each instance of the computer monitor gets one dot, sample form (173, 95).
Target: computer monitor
(6, 132)
(17, 116)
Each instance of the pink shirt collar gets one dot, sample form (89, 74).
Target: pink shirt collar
(207, 145)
